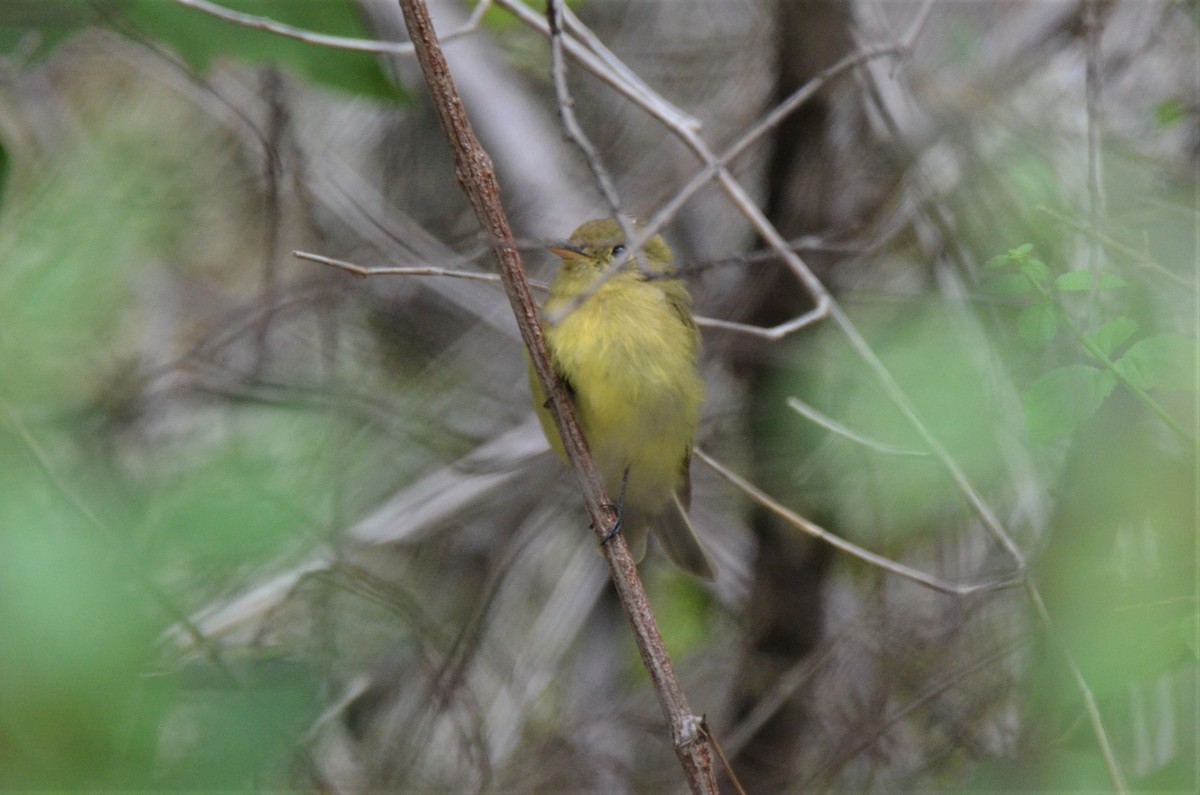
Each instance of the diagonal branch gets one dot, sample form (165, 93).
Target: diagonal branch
(850, 548)
(477, 176)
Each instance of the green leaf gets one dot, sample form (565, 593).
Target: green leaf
(996, 262)
(201, 38)
(1005, 284)
(1038, 324)
(1021, 251)
(1061, 400)
(1035, 270)
(1081, 281)
(1112, 334)
(1169, 112)
(1164, 361)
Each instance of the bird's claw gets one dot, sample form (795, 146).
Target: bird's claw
(616, 525)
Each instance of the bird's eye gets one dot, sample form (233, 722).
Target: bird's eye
(618, 250)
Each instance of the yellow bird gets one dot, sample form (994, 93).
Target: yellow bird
(628, 353)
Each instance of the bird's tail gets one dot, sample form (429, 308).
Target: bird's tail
(678, 538)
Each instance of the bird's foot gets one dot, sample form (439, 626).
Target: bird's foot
(618, 510)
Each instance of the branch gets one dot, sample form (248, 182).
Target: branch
(362, 271)
(1089, 698)
(850, 548)
(566, 112)
(1139, 259)
(409, 270)
(1095, 179)
(477, 176)
(830, 424)
(269, 25)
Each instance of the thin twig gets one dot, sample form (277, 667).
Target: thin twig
(866, 740)
(1139, 259)
(850, 548)
(495, 279)
(566, 112)
(770, 700)
(616, 66)
(268, 25)
(363, 271)
(716, 744)
(773, 333)
(477, 177)
(609, 70)
(1089, 699)
(1095, 176)
(830, 424)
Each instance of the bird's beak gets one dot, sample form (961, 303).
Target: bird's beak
(567, 252)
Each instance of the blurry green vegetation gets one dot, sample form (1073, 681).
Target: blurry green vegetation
(684, 609)
(223, 737)
(1093, 375)
(879, 497)
(74, 707)
(108, 543)
(70, 238)
(36, 26)
(1062, 398)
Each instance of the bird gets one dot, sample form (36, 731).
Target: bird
(627, 351)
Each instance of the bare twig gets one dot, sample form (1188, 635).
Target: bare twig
(1089, 699)
(404, 270)
(867, 739)
(477, 177)
(492, 278)
(1095, 176)
(712, 738)
(1139, 258)
(850, 548)
(268, 25)
(566, 112)
(716, 165)
(615, 66)
(772, 699)
(608, 69)
(774, 333)
(829, 423)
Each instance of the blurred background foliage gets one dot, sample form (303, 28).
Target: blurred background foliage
(264, 526)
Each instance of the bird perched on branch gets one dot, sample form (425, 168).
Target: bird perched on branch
(628, 354)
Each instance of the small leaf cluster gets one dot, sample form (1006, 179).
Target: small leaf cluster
(1062, 399)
